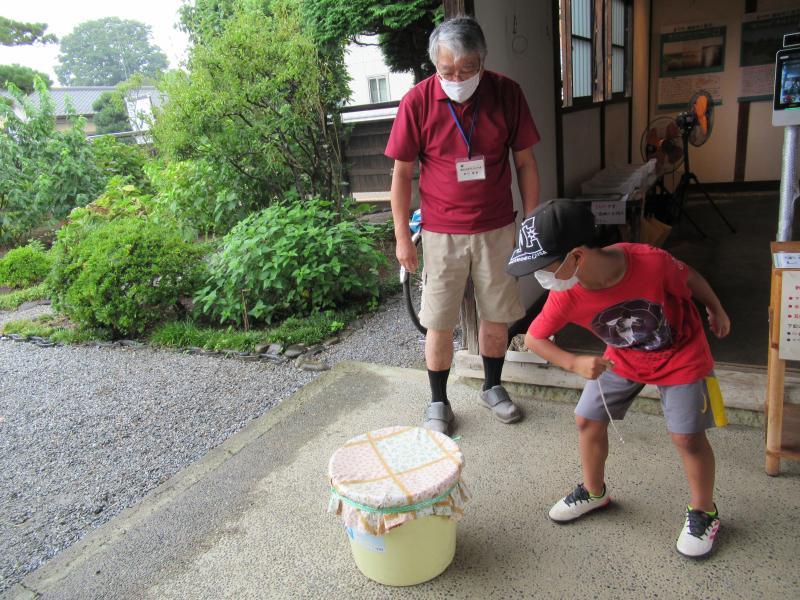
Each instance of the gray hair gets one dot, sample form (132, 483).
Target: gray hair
(460, 35)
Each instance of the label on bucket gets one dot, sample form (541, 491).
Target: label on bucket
(370, 542)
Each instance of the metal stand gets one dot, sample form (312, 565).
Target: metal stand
(789, 190)
(679, 195)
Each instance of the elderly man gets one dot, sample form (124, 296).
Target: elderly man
(460, 124)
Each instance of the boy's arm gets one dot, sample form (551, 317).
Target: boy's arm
(717, 317)
(588, 367)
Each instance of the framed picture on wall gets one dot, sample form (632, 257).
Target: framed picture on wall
(692, 49)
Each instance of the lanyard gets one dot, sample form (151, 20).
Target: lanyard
(467, 139)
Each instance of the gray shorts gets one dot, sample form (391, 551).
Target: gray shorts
(686, 407)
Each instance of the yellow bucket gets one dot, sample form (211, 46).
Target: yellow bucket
(400, 494)
(412, 553)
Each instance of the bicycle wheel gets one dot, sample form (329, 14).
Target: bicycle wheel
(413, 284)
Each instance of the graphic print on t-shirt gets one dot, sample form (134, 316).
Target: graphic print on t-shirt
(636, 324)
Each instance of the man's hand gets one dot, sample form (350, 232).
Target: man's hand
(406, 253)
(719, 322)
(590, 367)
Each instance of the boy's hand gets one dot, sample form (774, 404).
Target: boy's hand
(719, 322)
(590, 367)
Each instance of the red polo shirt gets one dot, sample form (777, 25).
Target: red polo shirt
(424, 129)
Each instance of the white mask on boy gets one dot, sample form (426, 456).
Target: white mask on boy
(549, 281)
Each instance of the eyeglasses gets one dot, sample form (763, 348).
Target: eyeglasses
(461, 74)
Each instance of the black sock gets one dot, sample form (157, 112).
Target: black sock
(438, 381)
(492, 370)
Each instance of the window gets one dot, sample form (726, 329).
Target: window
(378, 89)
(595, 50)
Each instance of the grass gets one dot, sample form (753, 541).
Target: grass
(15, 299)
(294, 330)
(54, 328)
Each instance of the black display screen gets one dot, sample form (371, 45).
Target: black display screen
(787, 80)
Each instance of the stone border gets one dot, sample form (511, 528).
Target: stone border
(300, 354)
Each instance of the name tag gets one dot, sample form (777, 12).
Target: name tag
(470, 169)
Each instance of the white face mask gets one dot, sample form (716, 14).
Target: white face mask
(460, 91)
(549, 281)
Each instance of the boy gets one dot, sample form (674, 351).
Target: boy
(638, 300)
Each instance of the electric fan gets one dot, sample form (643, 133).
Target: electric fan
(662, 141)
(693, 126)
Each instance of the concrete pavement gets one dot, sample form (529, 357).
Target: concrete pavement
(249, 521)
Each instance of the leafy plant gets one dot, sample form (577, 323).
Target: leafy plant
(126, 275)
(200, 194)
(118, 159)
(43, 172)
(290, 259)
(24, 266)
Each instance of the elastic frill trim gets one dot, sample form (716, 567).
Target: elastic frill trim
(378, 523)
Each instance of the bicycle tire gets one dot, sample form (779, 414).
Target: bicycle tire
(413, 284)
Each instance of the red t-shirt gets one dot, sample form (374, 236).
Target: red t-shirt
(652, 328)
(424, 129)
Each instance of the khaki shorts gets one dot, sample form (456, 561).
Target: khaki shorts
(450, 259)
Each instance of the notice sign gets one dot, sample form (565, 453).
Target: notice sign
(692, 58)
(608, 212)
(789, 346)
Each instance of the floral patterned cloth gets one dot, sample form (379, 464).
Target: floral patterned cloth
(396, 467)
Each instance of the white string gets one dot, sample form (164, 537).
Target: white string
(603, 398)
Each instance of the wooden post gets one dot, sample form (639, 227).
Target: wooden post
(776, 369)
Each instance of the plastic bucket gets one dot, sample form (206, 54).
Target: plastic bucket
(400, 494)
(412, 553)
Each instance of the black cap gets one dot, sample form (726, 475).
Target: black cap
(549, 233)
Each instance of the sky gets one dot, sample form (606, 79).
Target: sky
(62, 16)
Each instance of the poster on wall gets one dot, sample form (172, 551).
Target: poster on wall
(692, 58)
(762, 36)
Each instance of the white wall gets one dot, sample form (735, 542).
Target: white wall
(715, 160)
(581, 131)
(365, 61)
(527, 58)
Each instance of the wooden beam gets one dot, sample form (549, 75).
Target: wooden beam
(743, 121)
(742, 128)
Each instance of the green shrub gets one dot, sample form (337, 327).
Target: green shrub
(125, 275)
(200, 194)
(120, 159)
(290, 259)
(24, 266)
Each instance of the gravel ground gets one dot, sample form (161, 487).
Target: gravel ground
(86, 432)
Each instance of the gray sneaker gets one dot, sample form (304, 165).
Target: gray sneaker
(439, 417)
(497, 400)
